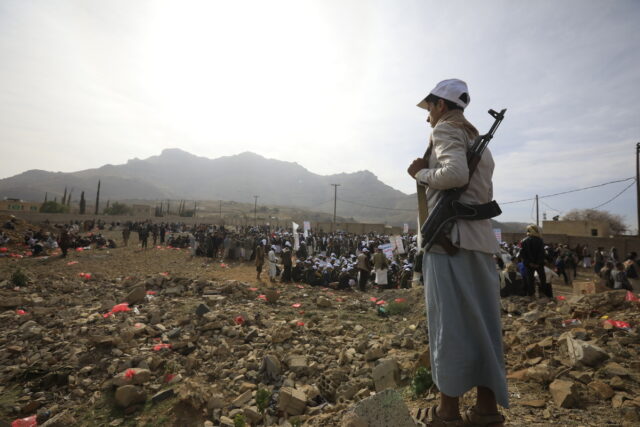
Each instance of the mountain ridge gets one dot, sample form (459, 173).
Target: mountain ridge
(178, 174)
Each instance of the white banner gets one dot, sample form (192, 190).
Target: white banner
(296, 237)
(387, 250)
(399, 245)
(405, 228)
(498, 233)
(306, 226)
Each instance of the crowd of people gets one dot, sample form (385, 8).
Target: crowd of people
(338, 259)
(343, 260)
(531, 264)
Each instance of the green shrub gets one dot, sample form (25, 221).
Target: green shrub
(238, 421)
(263, 396)
(53, 207)
(118, 209)
(421, 381)
(18, 278)
(394, 308)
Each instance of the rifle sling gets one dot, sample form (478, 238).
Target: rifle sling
(476, 212)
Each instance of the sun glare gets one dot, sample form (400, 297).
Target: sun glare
(239, 74)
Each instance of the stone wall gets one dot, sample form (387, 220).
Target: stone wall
(576, 228)
(624, 244)
(357, 228)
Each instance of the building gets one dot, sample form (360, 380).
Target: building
(141, 210)
(17, 205)
(582, 228)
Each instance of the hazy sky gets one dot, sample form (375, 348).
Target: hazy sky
(331, 85)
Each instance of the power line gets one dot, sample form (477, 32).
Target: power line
(553, 209)
(516, 201)
(616, 196)
(569, 191)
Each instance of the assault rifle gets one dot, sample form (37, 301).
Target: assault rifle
(449, 207)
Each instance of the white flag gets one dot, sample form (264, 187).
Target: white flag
(296, 237)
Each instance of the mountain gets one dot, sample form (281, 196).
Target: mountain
(176, 174)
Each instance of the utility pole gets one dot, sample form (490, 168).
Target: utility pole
(335, 201)
(537, 212)
(638, 184)
(255, 211)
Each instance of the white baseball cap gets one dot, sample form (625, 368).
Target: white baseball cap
(453, 90)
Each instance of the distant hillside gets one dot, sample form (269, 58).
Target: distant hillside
(176, 174)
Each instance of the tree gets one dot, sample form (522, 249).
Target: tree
(83, 204)
(53, 207)
(616, 222)
(118, 209)
(98, 198)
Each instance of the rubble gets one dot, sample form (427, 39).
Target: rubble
(328, 360)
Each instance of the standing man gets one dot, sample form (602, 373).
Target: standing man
(586, 256)
(65, 241)
(273, 262)
(126, 232)
(287, 262)
(260, 258)
(533, 254)
(364, 269)
(461, 290)
(380, 265)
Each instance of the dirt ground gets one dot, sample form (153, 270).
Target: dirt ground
(67, 309)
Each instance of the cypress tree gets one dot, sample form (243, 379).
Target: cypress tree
(83, 204)
(98, 198)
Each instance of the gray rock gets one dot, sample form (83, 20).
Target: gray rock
(532, 316)
(271, 367)
(216, 401)
(239, 401)
(613, 369)
(137, 295)
(202, 309)
(292, 401)
(162, 395)
(384, 409)
(174, 333)
(374, 353)
(128, 395)
(564, 393)
(62, 419)
(298, 364)
(583, 352)
(386, 374)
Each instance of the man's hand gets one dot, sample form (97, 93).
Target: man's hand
(416, 165)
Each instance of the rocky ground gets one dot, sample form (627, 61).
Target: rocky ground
(202, 343)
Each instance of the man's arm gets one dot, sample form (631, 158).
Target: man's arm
(450, 149)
